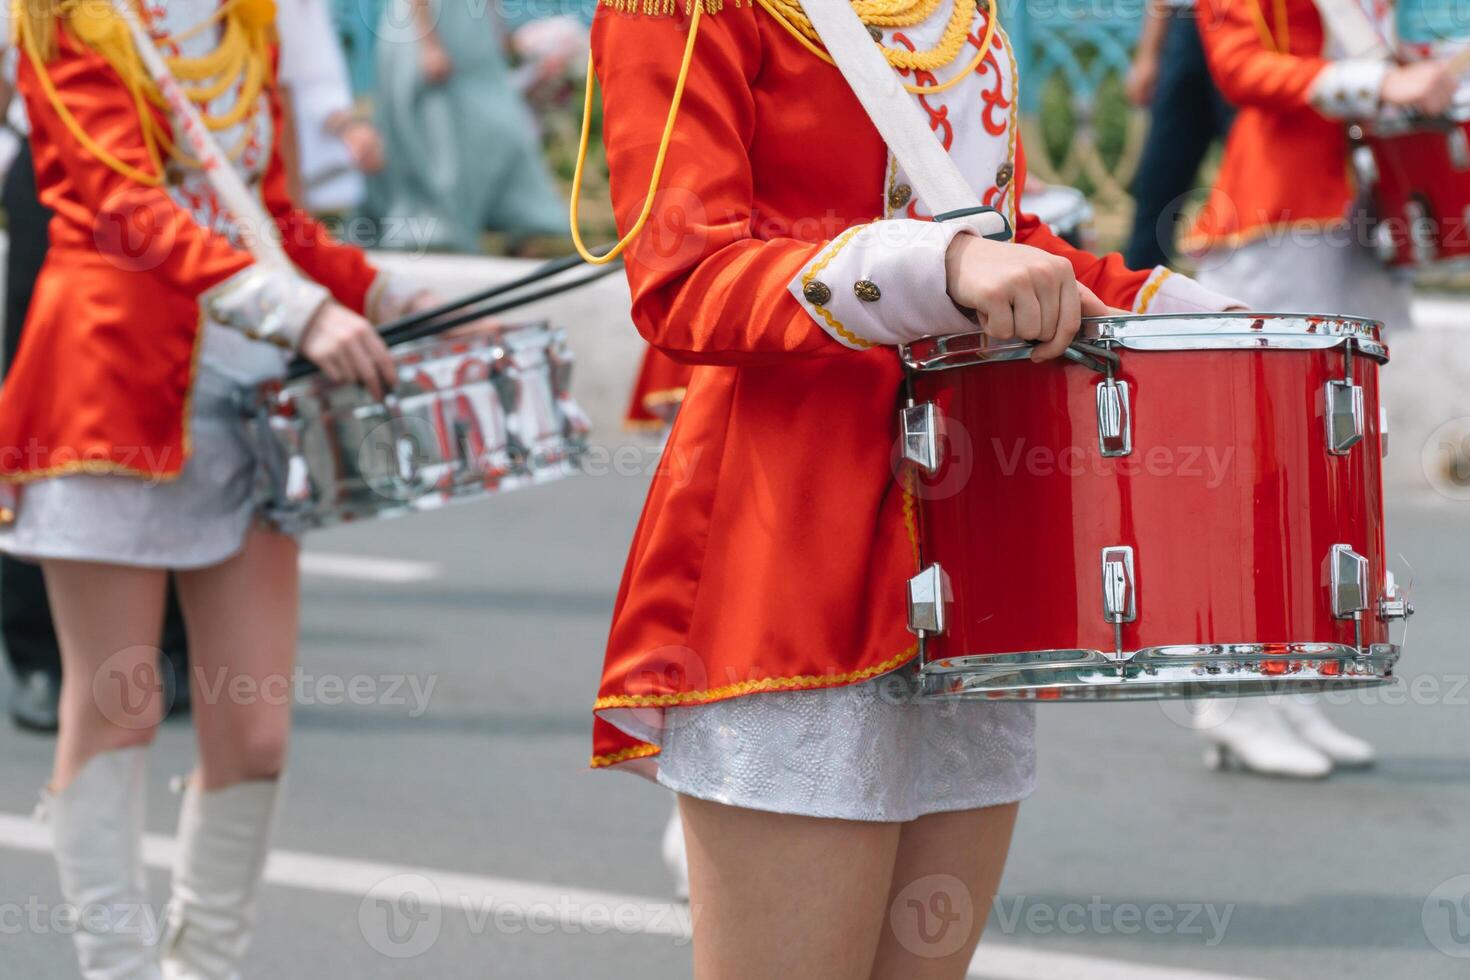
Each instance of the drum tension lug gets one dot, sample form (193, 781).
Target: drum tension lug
(1120, 602)
(1343, 410)
(1348, 573)
(929, 596)
(1394, 605)
(920, 425)
(1114, 417)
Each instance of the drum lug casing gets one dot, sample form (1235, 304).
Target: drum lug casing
(1349, 581)
(929, 596)
(920, 426)
(1114, 418)
(1119, 597)
(1458, 147)
(1344, 414)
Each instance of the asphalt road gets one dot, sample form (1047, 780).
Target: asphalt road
(448, 661)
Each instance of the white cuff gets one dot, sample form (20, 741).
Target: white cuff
(1348, 89)
(1166, 291)
(390, 295)
(265, 303)
(883, 283)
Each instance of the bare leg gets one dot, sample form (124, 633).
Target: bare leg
(242, 617)
(108, 621)
(944, 882)
(776, 895)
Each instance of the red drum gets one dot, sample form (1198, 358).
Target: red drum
(1199, 514)
(1417, 178)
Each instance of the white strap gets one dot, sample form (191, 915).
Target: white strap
(878, 87)
(1349, 23)
(255, 226)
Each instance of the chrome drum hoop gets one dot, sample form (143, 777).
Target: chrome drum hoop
(1167, 332)
(1159, 673)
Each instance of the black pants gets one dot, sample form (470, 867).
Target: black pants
(25, 612)
(1188, 114)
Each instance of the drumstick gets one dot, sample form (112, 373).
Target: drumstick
(405, 331)
(542, 271)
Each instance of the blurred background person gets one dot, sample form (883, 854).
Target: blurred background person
(333, 140)
(1187, 114)
(463, 155)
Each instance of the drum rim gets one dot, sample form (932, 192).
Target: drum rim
(1156, 672)
(1152, 332)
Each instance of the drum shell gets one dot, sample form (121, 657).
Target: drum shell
(1229, 499)
(1421, 188)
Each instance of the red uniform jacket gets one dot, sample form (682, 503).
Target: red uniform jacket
(102, 379)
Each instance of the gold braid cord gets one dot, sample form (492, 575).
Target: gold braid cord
(239, 61)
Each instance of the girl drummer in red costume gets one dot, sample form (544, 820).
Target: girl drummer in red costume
(120, 425)
(758, 656)
(1283, 228)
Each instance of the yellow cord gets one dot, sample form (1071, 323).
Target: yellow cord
(658, 161)
(664, 141)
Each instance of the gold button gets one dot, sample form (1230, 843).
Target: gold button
(899, 196)
(867, 290)
(817, 293)
(7, 516)
(1004, 174)
(875, 33)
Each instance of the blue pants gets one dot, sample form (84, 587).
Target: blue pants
(1188, 114)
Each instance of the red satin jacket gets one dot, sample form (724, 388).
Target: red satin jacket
(102, 379)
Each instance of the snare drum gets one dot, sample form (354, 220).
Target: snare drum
(474, 414)
(1416, 175)
(1204, 517)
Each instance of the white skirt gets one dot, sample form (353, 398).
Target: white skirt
(869, 751)
(198, 519)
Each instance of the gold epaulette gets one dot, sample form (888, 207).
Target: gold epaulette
(657, 8)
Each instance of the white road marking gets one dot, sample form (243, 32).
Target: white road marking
(364, 568)
(489, 902)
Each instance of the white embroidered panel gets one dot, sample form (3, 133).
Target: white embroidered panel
(248, 143)
(975, 119)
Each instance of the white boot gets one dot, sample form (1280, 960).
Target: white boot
(676, 859)
(97, 832)
(1309, 722)
(1257, 738)
(224, 839)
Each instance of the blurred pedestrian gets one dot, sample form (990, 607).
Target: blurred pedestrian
(1187, 115)
(125, 455)
(334, 141)
(462, 154)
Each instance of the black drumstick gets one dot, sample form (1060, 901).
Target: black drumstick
(403, 333)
